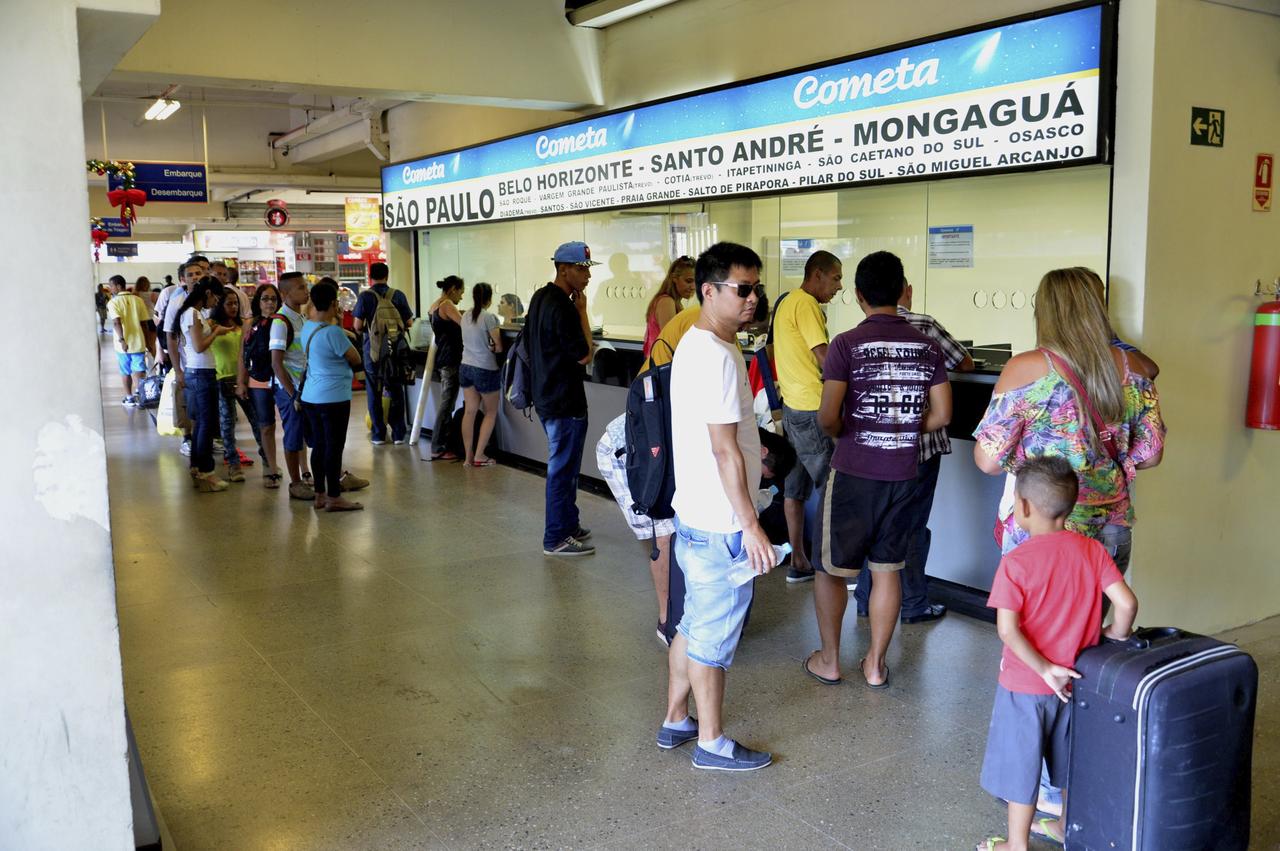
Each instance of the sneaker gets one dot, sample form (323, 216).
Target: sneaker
(661, 632)
(668, 738)
(743, 759)
(245, 460)
(301, 490)
(129, 401)
(352, 482)
(570, 546)
(401, 441)
(932, 612)
(235, 474)
(218, 445)
(185, 449)
(378, 441)
(582, 534)
(795, 576)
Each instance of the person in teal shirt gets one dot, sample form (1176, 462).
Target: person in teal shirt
(326, 395)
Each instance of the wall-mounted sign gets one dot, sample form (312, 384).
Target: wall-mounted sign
(277, 215)
(176, 183)
(1208, 126)
(362, 214)
(1263, 176)
(951, 247)
(1031, 93)
(122, 249)
(231, 240)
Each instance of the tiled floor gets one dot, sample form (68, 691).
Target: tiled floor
(418, 676)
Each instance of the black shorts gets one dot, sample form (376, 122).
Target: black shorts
(865, 520)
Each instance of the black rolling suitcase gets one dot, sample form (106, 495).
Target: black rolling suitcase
(1161, 744)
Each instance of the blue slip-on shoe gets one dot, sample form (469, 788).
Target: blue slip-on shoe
(743, 759)
(668, 738)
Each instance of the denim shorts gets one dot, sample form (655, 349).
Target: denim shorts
(483, 380)
(131, 362)
(292, 423)
(264, 405)
(714, 608)
(813, 453)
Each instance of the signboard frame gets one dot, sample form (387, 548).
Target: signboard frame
(1103, 147)
(114, 182)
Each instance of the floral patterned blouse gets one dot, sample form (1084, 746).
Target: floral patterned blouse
(1044, 418)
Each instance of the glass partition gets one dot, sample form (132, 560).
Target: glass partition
(992, 238)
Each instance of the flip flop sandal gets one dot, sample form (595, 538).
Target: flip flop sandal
(826, 681)
(1040, 827)
(877, 686)
(989, 844)
(488, 462)
(271, 480)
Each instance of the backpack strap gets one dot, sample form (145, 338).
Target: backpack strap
(288, 328)
(1105, 436)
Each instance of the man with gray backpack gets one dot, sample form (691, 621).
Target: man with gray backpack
(384, 316)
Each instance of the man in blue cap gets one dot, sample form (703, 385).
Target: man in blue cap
(560, 346)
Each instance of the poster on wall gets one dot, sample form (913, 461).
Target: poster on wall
(1031, 93)
(951, 247)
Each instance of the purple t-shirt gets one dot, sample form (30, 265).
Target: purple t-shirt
(889, 367)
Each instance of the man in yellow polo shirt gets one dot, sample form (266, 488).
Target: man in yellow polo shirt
(127, 315)
(799, 349)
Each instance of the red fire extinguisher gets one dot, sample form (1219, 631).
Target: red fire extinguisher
(1263, 410)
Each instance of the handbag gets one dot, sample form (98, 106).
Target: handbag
(150, 388)
(1106, 436)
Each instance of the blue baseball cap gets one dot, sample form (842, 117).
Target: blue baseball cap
(577, 253)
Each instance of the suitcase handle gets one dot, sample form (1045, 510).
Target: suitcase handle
(1141, 638)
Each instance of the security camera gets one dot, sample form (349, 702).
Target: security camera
(284, 152)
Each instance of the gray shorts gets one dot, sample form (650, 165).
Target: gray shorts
(1025, 729)
(813, 452)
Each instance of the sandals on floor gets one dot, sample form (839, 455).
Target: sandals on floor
(826, 681)
(988, 844)
(862, 666)
(271, 480)
(488, 462)
(1040, 827)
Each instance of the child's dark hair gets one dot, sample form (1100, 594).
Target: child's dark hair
(323, 296)
(481, 297)
(1049, 484)
(779, 457)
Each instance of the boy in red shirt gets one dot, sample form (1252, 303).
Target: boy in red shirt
(1048, 600)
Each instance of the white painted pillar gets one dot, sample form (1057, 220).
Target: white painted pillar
(63, 775)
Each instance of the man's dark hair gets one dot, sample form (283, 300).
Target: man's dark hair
(714, 264)
(182, 267)
(117, 281)
(378, 271)
(820, 261)
(323, 295)
(779, 456)
(289, 276)
(221, 263)
(880, 279)
(1048, 483)
(198, 258)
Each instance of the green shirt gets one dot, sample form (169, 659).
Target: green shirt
(226, 354)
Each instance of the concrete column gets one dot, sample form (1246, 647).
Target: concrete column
(63, 775)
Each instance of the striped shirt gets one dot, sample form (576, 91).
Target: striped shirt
(935, 442)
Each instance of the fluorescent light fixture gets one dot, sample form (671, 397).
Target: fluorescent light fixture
(603, 13)
(161, 109)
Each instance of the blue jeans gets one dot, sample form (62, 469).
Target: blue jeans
(714, 608)
(440, 432)
(373, 389)
(227, 401)
(202, 407)
(565, 438)
(915, 587)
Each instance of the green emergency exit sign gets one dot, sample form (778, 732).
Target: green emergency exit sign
(1208, 126)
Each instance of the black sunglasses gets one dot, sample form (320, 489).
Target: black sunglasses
(743, 290)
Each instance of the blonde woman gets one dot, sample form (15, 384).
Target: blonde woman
(677, 286)
(1041, 406)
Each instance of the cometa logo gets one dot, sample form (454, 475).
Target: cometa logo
(811, 90)
(422, 174)
(593, 137)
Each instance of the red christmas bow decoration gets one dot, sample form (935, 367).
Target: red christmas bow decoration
(126, 200)
(99, 236)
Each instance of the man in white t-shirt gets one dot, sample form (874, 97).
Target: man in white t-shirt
(719, 543)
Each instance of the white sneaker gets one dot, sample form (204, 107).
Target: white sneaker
(185, 449)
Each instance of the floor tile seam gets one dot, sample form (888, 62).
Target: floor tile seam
(784, 811)
(343, 741)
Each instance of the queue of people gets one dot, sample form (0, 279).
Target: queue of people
(864, 415)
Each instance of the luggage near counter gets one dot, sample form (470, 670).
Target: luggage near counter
(1161, 745)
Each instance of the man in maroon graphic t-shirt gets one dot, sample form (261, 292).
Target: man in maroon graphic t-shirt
(884, 383)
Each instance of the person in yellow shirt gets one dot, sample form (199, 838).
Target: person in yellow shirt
(127, 313)
(665, 345)
(799, 341)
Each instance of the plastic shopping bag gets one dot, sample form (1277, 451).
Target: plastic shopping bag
(171, 413)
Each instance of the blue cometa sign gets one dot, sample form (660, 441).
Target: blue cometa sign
(1021, 94)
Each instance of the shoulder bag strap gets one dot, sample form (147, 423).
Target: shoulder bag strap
(1100, 428)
